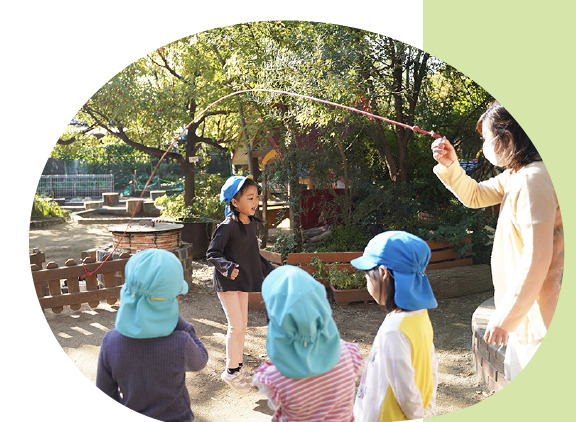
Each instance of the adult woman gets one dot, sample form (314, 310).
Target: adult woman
(528, 253)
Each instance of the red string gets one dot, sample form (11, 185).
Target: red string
(274, 91)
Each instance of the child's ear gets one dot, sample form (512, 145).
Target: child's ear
(383, 272)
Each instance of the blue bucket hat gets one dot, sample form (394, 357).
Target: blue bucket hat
(231, 188)
(302, 339)
(154, 278)
(407, 256)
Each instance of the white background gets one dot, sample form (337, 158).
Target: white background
(55, 55)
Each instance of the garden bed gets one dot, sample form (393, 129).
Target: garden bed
(444, 256)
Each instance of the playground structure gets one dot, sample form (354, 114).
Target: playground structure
(113, 208)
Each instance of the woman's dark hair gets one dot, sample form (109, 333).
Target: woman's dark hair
(247, 183)
(387, 289)
(515, 147)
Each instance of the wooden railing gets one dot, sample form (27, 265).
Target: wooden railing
(57, 287)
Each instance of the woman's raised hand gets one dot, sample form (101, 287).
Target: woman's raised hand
(444, 152)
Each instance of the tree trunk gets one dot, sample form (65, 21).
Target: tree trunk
(189, 170)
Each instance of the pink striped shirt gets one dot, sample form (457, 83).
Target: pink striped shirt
(325, 397)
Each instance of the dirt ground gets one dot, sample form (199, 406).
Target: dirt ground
(80, 334)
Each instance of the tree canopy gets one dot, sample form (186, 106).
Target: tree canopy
(148, 104)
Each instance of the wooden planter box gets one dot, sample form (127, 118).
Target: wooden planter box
(443, 256)
(199, 235)
(255, 300)
(345, 297)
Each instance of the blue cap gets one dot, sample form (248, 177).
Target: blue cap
(148, 299)
(231, 188)
(302, 339)
(407, 256)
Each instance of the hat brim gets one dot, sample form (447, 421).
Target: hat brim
(362, 263)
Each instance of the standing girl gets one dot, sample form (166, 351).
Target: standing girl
(401, 375)
(238, 269)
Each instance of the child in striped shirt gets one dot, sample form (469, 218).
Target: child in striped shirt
(401, 375)
(313, 373)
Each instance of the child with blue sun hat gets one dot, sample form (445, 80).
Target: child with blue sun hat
(312, 374)
(144, 360)
(401, 376)
(239, 269)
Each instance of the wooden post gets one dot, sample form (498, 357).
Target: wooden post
(54, 287)
(265, 209)
(110, 199)
(155, 194)
(91, 282)
(134, 204)
(73, 284)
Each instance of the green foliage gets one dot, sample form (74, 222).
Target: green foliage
(206, 205)
(345, 239)
(387, 206)
(455, 222)
(386, 169)
(340, 279)
(346, 280)
(44, 208)
(284, 244)
(320, 268)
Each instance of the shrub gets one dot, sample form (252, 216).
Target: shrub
(44, 208)
(284, 244)
(340, 279)
(345, 239)
(455, 222)
(345, 280)
(206, 204)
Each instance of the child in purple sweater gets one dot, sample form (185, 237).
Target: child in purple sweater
(143, 362)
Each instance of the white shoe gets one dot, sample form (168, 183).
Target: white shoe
(246, 375)
(236, 381)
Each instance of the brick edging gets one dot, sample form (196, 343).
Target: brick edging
(488, 359)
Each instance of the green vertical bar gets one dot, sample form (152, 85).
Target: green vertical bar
(522, 52)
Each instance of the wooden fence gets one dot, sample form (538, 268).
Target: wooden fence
(57, 287)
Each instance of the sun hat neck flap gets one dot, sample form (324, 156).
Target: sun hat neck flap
(407, 256)
(302, 340)
(230, 188)
(154, 278)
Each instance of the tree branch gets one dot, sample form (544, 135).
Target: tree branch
(120, 134)
(73, 139)
(166, 65)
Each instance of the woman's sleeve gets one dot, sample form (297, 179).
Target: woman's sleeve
(536, 208)
(398, 360)
(215, 252)
(471, 193)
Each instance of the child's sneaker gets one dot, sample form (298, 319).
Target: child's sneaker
(246, 375)
(236, 381)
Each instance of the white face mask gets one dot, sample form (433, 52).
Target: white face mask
(490, 153)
